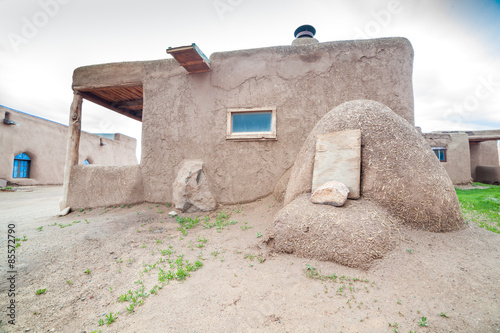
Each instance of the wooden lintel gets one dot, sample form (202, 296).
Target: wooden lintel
(106, 85)
(112, 106)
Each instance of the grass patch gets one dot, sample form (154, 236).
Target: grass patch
(481, 205)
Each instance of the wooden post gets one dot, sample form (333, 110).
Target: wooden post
(73, 147)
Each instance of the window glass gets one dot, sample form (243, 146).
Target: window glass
(252, 122)
(440, 153)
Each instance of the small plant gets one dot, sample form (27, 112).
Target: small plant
(69, 282)
(119, 261)
(442, 314)
(111, 318)
(168, 204)
(245, 226)
(40, 291)
(100, 322)
(259, 235)
(40, 228)
(249, 256)
(87, 271)
(422, 322)
(399, 301)
(409, 251)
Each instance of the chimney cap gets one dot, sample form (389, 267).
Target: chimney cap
(305, 30)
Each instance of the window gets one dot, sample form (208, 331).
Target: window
(86, 162)
(440, 153)
(21, 166)
(251, 124)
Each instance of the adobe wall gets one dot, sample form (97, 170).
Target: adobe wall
(107, 185)
(483, 153)
(45, 143)
(184, 115)
(457, 163)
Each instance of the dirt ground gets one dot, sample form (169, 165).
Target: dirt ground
(451, 279)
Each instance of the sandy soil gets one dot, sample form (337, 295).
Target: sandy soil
(242, 286)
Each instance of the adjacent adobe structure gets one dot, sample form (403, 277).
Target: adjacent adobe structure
(243, 114)
(468, 155)
(33, 149)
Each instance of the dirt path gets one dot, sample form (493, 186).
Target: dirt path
(241, 286)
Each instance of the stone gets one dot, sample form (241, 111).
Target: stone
(399, 171)
(338, 157)
(3, 183)
(64, 212)
(331, 193)
(191, 190)
(173, 213)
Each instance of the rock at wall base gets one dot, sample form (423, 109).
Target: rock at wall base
(191, 191)
(64, 212)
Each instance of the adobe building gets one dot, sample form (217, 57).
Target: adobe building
(242, 125)
(33, 149)
(468, 155)
(244, 114)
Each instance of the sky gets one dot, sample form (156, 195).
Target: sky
(456, 72)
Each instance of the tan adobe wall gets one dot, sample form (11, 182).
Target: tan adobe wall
(483, 153)
(45, 143)
(457, 163)
(184, 115)
(107, 185)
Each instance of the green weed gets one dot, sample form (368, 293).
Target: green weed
(111, 318)
(41, 291)
(245, 226)
(481, 205)
(422, 322)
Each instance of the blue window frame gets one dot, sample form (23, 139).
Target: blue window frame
(21, 166)
(440, 153)
(86, 162)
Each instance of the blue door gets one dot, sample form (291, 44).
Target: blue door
(21, 166)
